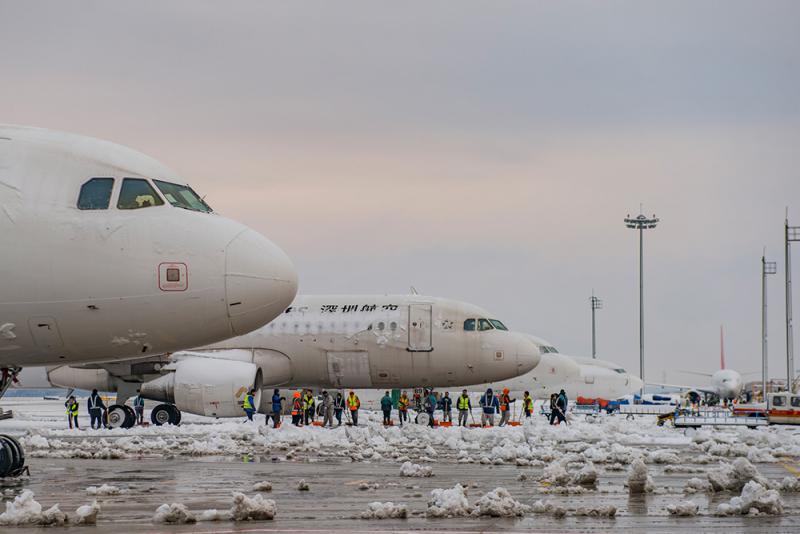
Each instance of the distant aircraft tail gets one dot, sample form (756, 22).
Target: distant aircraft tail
(721, 349)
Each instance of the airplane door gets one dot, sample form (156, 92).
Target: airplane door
(45, 333)
(349, 369)
(419, 328)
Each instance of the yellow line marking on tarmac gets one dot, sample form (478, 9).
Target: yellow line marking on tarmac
(793, 470)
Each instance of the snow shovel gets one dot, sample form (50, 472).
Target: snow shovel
(514, 421)
(473, 424)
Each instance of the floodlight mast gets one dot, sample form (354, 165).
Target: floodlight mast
(641, 223)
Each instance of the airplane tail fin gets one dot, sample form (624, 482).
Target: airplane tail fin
(721, 349)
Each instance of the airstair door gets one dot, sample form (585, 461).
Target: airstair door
(419, 328)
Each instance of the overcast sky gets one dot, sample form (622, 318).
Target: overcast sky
(483, 151)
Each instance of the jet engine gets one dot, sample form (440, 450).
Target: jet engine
(206, 386)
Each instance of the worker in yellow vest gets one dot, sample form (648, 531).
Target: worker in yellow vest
(353, 404)
(72, 411)
(402, 407)
(249, 404)
(527, 405)
(309, 405)
(464, 408)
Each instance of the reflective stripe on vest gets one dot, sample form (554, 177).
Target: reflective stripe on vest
(463, 403)
(248, 402)
(353, 402)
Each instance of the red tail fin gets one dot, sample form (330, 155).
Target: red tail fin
(721, 349)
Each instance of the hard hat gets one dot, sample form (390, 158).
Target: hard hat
(296, 394)
(505, 390)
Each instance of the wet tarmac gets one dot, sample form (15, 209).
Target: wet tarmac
(192, 465)
(334, 498)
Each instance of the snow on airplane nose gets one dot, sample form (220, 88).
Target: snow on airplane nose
(260, 281)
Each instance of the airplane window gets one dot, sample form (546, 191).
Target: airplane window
(484, 324)
(96, 194)
(137, 193)
(469, 325)
(497, 324)
(182, 196)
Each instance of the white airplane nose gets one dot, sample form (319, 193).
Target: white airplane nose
(260, 281)
(528, 355)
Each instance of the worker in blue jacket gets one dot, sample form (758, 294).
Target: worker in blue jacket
(490, 406)
(277, 407)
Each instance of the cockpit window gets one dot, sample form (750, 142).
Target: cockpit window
(137, 193)
(182, 196)
(96, 194)
(547, 349)
(497, 324)
(620, 371)
(484, 324)
(469, 325)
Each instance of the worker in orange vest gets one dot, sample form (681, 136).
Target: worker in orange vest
(505, 407)
(297, 409)
(353, 404)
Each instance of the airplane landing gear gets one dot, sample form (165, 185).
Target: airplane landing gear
(121, 416)
(12, 457)
(165, 414)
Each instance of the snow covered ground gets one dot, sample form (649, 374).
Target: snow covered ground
(533, 476)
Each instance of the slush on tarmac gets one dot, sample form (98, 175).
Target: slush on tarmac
(596, 473)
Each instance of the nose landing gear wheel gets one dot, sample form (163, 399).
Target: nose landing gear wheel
(422, 419)
(121, 416)
(12, 457)
(165, 414)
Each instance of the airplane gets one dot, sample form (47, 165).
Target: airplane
(109, 255)
(335, 342)
(578, 376)
(725, 384)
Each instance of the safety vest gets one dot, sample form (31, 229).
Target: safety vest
(463, 402)
(296, 407)
(402, 404)
(353, 402)
(504, 402)
(72, 408)
(93, 404)
(308, 401)
(528, 403)
(248, 402)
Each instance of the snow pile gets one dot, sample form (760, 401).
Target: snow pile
(639, 481)
(754, 500)
(415, 470)
(103, 491)
(385, 510)
(663, 456)
(213, 515)
(789, 484)
(303, 485)
(499, 503)
(448, 502)
(87, 514)
(586, 476)
(601, 511)
(258, 508)
(733, 477)
(368, 486)
(262, 486)
(25, 510)
(555, 473)
(696, 485)
(173, 513)
(546, 507)
(683, 509)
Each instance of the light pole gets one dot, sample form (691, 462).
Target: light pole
(767, 267)
(597, 304)
(641, 223)
(791, 234)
